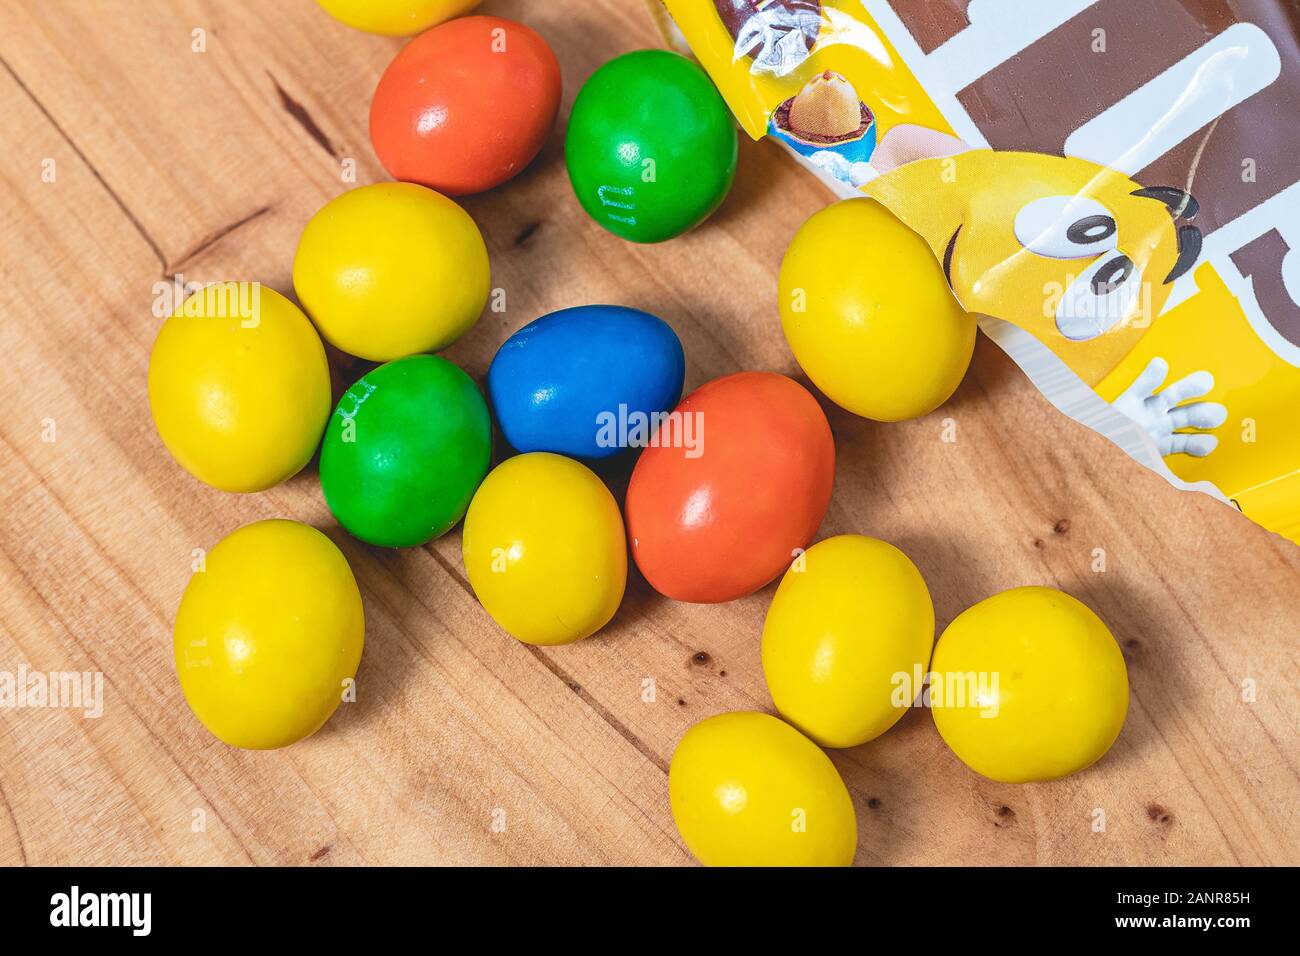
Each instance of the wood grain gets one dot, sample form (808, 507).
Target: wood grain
(209, 163)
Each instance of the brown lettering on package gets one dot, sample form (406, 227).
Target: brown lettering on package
(1035, 100)
(1252, 152)
(1261, 262)
(933, 24)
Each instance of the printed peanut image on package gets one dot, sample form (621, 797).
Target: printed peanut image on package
(1114, 187)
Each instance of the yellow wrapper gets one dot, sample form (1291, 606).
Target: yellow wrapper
(1114, 186)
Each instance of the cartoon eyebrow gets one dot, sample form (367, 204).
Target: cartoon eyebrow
(1181, 203)
(1189, 250)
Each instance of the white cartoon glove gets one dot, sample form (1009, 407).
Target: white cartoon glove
(1161, 414)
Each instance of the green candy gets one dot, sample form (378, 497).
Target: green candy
(651, 147)
(405, 450)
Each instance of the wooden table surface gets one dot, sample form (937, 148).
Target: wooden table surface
(465, 746)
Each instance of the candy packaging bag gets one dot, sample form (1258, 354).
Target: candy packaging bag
(1114, 186)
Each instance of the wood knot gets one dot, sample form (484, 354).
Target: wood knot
(527, 233)
(1062, 526)
(1158, 814)
(702, 658)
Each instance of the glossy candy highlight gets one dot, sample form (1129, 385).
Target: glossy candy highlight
(405, 450)
(544, 549)
(587, 381)
(747, 789)
(1055, 686)
(739, 482)
(651, 146)
(466, 106)
(851, 618)
(239, 387)
(869, 316)
(391, 269)
(269, 635)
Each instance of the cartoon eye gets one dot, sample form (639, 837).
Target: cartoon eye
(1102, 297)
(1066, 227)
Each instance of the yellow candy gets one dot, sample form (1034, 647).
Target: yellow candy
(239, 387)
(869, 316)
(748, 789)
(545, 550)
(851, 623)
(269, 635)
(391, 269)
(395, 18)
(1032, 686)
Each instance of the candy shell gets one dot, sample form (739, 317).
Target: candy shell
(747, 789)
(651, 146)
(391, 269)
(239, 387)
(1028, 685)
(466, 106)
(587, 381)
(395, 18)
(405, 450)
(544, 549)
(846, 640)
(269, 635)
(739, 481)
(869, 315)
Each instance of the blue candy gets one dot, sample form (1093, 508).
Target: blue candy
(586, 382)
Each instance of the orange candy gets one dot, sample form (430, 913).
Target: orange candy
(740, 479)
(466, 105)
